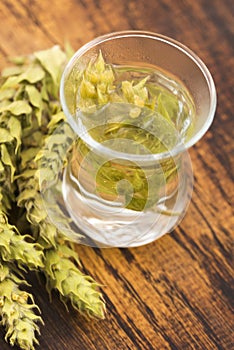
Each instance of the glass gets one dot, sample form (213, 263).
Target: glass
(129, 178)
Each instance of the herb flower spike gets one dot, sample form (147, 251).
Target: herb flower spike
(16, 248)
(63, 274)
(96, 85)
(17, 310)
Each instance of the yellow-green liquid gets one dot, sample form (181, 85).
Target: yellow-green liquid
(158, 125)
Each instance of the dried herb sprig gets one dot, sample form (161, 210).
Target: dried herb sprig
(61, 261)
(63, 274)
(15, 247)
(18, 310)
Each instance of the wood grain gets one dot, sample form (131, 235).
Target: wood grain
(176, 293)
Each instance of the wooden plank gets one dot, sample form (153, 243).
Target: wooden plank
(176, 293)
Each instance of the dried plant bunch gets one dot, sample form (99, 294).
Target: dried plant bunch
(29, 114)
(18, 312)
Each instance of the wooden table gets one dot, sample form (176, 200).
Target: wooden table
(176, 292)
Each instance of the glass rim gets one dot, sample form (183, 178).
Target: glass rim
(169, 41)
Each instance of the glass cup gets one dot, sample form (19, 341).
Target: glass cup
(129, 178)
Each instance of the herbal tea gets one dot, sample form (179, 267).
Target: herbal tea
(149, 88)
(130, 111)
(136, 101)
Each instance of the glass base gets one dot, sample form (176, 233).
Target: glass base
(108, 225)
(104, 223)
